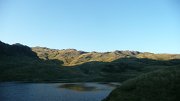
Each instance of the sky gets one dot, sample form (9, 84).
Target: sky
(93, 25)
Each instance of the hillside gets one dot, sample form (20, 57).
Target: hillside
(160, 85)
(16, 50)
(21, 63)
(72, 57)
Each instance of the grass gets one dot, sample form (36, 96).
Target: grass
(160, 85)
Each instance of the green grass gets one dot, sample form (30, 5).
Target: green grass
(160, 85)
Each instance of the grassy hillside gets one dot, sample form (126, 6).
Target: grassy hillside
(122, 69)
(160, 85)
(20, 63)
(72, 57)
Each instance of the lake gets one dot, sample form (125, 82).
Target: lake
(55, 91)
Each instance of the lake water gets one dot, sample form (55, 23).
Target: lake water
(55, 91)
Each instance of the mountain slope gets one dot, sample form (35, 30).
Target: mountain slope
(160, 85)
(72, 57)
(16, 50)
(21, 63)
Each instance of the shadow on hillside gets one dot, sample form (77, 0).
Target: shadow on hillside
(122, 69)
(126, 62)
(116, 71)
(19, 62)
(54, 61)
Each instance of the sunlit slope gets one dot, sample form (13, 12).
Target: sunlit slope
(72, 57)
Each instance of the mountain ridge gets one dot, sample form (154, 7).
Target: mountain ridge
(22, 63)
(72, 57)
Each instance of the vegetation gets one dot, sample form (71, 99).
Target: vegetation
(20, 63)
(160, 85)
(72, 57)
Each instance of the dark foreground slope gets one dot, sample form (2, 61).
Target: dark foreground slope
(160, 85)
(20, 63)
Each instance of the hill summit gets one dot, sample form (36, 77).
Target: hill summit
(72, 57)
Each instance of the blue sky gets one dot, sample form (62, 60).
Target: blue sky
(93, 25)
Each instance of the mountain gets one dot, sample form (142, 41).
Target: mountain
(22, 63)
(72, 57)
(19, 63)
(16, 50)
(144, 76)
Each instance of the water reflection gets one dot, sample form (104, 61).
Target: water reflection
(79, 87)
(89, 86)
